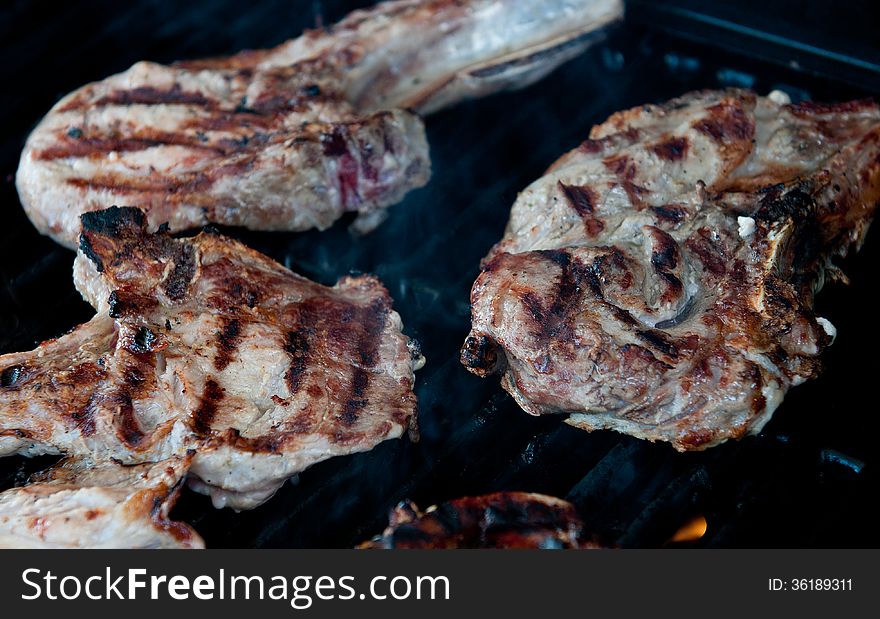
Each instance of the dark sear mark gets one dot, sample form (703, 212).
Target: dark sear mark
(664, 252)
(297, 348)
(658, 341)
(727, 122)
(84, 419)
(228, 339)
(148, 95)
(357, 398)
(480, 353)
(583, 201)
(203, 416)
(126, 422)
(178, 281)
(91, 146)
(673, 149)
(372, 318)
(669, 213)
(143, 341)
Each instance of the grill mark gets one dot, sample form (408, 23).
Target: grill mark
(583, 201)
(621, 166)
(664, 251)
(373, 319)
(95, 146)
(357, 400)
(556, 322)
(204, 415)
(127, 426)
(534, 305)
(149, 95)
(297, 348)
(228, 339)
(674, 287)
(809, 108)
(726, 122)
(701, 245)
(119, 184)
(84, 419)
(669, 213)
(658, 341)
(673, 149)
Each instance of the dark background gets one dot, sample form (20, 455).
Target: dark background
(810, 479)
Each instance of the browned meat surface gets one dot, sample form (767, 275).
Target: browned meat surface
(83, 505)
(659, 279)
(204, 344)
(500, 520)
(292, 137)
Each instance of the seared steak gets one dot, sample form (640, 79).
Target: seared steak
(81, 505)
(290, 138)
(500, 520)
(204, 344)
(659, 280)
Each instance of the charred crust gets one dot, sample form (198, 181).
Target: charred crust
(143, 341)
(778, 204)
(85, 246)
(12, 376)
(112, 221)
(480, 354)
(182, 273)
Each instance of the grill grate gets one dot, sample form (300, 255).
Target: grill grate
(806, 481)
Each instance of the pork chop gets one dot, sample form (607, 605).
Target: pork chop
(499, 520)
(659, 279)
(293, 137)
(204, 344)
(83, 505)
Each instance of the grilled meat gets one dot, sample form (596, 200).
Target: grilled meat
(290, 138)
(203, 344)
(659, 280)
(81, 505)
(500, 520)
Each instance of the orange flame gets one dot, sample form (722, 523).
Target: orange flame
(691, 531)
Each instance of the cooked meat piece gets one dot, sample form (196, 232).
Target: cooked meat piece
(201, 343)
(659, 280)
(292, 137)
(500, 520)
(83, 505)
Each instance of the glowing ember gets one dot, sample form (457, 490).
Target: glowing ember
(691, 531)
